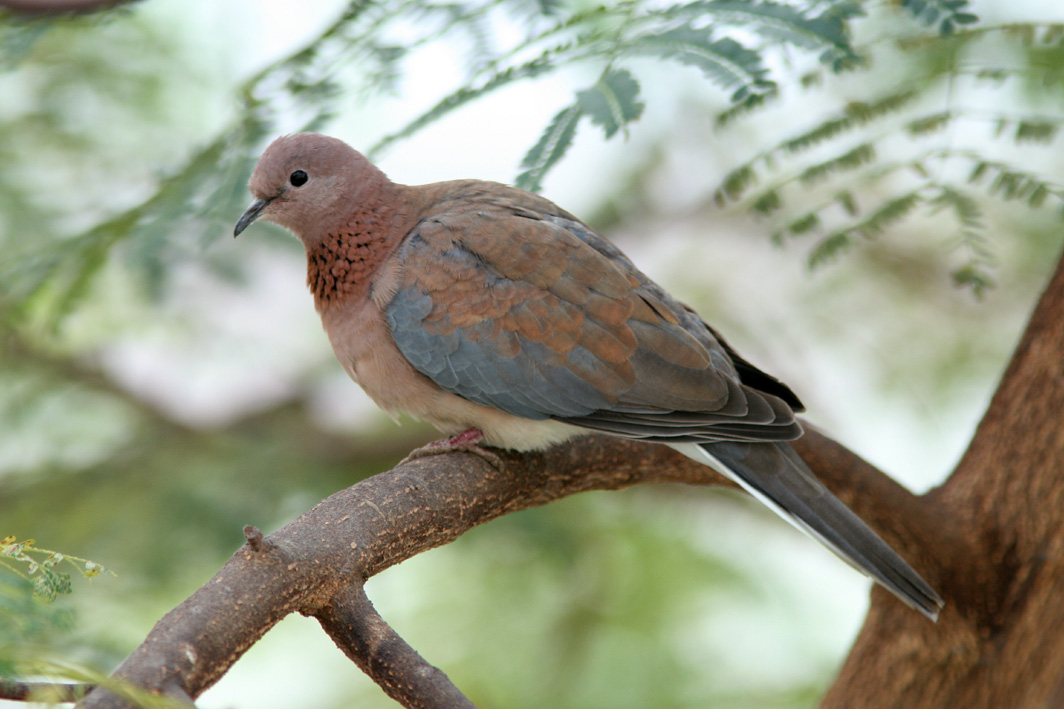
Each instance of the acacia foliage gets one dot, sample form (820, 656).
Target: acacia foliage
(833, 179)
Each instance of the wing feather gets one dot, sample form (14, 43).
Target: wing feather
(513, 304)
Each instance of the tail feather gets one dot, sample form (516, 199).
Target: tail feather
(775, 475)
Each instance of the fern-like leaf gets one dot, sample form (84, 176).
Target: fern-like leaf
(863, 154)
(976, 273)
(848, 202)
(767, 203)
(613, 102)
(929, 124)
(550, 148)
(786, 24)
(804, 224)
(751, 104)
(962, 205)
(890, 213)
(829, 248)
(1036, 131)
(46, 580)
(948, 13)
(724, 61)
(735, 184)
(856, 114)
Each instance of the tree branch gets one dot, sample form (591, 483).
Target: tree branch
(316, 565)
(42, 691)
(357, 629)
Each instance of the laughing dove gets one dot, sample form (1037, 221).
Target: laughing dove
(488, 310)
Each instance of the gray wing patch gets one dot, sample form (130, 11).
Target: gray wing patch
(466, 362)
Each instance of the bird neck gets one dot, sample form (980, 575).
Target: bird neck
(341, 264)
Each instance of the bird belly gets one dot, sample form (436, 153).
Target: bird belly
(364, 345)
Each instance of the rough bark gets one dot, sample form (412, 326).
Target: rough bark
(994, 546)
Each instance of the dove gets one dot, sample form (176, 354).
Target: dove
(502, 319)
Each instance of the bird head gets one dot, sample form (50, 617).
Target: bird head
(306, 182)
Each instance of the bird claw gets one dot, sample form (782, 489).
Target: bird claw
(465, 442)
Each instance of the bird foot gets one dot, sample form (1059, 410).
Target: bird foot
(464, 442)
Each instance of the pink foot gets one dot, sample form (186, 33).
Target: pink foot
(470, 437)
(464, 442)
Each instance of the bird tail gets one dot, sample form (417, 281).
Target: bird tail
(775, 475)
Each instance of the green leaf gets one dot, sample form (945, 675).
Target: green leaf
(724, 61)
(767, 203)
(861, 155)
(916, 7)
(847, 202)
(1010, 183)
(891, 212)
(976, 273)
(549, 7)
(929, 124)
(966, 209)
(804, 224)
(612, 102)
(735, 184)
(829, 248)
(43, 589)
(856, 114)
(971, 276)
(18, 37)
(550, 148)
(950, 11)
(749, 105)
(787, 24)
(1038, 196)
(1036, 131)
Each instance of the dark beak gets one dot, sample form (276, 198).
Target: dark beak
(250, 215)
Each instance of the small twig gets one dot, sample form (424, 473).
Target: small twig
(58, 692)
(256, 541)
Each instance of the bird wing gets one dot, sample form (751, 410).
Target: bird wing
(510, 302)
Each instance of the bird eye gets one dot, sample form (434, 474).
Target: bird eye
(298, 178)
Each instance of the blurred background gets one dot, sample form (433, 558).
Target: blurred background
(874, 233)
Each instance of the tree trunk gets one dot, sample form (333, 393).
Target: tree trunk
(994, 547)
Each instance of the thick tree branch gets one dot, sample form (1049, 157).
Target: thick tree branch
(317, 564)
